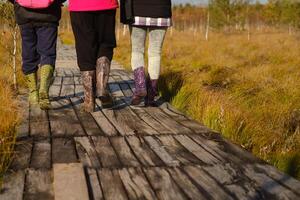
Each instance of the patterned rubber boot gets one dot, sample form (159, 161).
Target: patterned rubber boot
(102, 77)
(46, 79)
(88, 81)
(140, 86)
(31, 80)
(152, 92)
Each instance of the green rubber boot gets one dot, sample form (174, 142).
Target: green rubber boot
(45, 82)
(31, 80)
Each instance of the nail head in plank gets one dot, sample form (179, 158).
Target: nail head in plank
(70, 182)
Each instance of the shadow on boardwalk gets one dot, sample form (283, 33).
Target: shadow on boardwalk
(127, 152)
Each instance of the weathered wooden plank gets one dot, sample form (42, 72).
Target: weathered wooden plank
(228, 177)
(38, 185)
(54, 91)
(86, 119)
(267, 184)
(94, 185)
(106, 152)
(210, 146)
(39, 124)
(185, 184)
(143, 152)
(69, 182)
(77, 80)
(86, 152)
(41, 155)
(183, 120)
(196, 149)
(280, 177)
(22, 155)
(123, 150)
(122, 128)
(150, 120)
(163, 184)
(126, 116)
(225, 149)
(68, 88)
(58, 80)
(168, 122)
(210, 187)
(13, 186)
(79, 91)
(178, 151)
(59, 71)
(111, 184)
(23, 127)
(136, 184)
(63, 120)
(63, 150)
(68, 72)
(104, 124)
(161, 152)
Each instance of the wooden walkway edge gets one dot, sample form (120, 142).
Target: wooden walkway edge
(127, 152)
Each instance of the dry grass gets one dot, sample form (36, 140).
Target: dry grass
(8, 108)
(247, 90)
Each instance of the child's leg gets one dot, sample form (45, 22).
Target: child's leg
(47, 38)
(105, 25)
(46, 46)
(30, 61)
(138, 37)
(30, 57)
(86, 48)
(156, 39)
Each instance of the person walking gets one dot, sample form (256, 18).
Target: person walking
(38, 21)
(152, 17)
(93, 24)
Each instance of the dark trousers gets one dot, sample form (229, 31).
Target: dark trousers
(38, 47)
(94, 36)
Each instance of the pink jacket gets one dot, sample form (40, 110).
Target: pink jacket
(92, 5)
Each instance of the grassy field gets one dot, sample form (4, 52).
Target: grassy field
(8, 107)
(249, 90)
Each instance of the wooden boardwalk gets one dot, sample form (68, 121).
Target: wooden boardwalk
(129, 152)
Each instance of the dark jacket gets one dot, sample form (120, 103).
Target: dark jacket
(27, 16)
(145, 8)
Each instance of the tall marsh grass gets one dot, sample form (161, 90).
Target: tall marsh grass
(8, 106)
(249, 90)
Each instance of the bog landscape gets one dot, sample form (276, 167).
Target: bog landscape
(232, 66)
